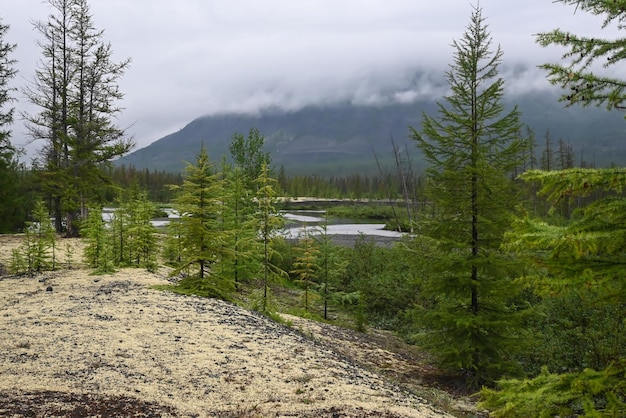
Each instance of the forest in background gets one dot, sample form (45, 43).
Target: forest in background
(513, 276)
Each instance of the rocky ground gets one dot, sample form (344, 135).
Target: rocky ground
(75, 345)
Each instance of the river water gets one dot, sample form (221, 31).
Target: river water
(297, 221)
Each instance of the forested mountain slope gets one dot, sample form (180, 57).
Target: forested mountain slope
(344, 138)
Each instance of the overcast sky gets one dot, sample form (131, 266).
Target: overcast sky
(197, 57)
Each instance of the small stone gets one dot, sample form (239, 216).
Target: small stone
(49, 289)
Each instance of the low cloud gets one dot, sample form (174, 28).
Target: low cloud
(195, 57)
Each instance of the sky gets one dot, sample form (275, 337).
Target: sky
(197, 57)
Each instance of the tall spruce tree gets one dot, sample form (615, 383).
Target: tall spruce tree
(472, 147)
(76, 90)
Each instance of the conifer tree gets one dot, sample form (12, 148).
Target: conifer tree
(199, 202)
(7, 73)
(583, 82)
(248, 155)
(268, 221)
(472, 147)
(119, 235)
(132, 233)
(249, 160)
(238, 219)
(98, 252)
(331, 265)
(76, 90)
(141, 237)
(305, 265)
(39, 247)
(11, 214)
(584, 258)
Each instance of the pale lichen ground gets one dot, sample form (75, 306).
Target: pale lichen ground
(72, 332)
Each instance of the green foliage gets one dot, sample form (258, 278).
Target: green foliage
(75, 90)
(586, 253)
(7, 73)
(153, 182)
(584, 83)
(69, 256)
(141, 237)
(238, 218)
(199, 243)
(13, 196)
(248, 155)
(378, 285)
(306, 267)
(18, 262)
(208, 287)
(38, 250)
(267, 221)
(372, 212)
(473, 148)
(574, 332)
(579, 277)
(331, 267)
(588, 393)
(349, 186)
(173, 245)
(98, 252)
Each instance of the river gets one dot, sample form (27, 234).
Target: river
(344, 231)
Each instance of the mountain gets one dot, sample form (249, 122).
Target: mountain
(344, 138)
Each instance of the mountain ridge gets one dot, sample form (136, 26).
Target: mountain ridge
(346, 138)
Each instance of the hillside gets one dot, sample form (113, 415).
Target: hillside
(343, 138)
(84, 345)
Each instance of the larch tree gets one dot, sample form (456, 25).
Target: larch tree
(305, 266)
(585, 257)
(200, 233)
(76, 90)
(472, 148)
(98, 253)
(267, 222)
(249, 159)
(581, 261)
(238, 218)
(7, 73)
(9, 193)
(585, 76)
(331, 265)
